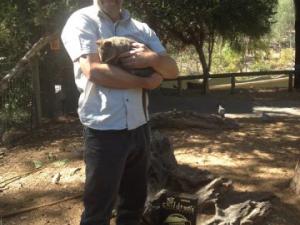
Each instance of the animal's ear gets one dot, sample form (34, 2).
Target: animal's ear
(107, 43)
(99, 42)
(104, 43)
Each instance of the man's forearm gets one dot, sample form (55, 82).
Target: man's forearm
(165, 66)
(114, 77)
(142, 57)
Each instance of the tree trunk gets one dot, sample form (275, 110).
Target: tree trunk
(211, 44)
(200, 51)
(297, 44)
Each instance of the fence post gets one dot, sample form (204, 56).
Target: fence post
(37, 112)
(232, 84)
(179, 86)
(205, 83)
(290, 82)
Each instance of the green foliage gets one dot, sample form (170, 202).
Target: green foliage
(226, 60)
(24, 22)
(181, 19)
(16, 108)
(287, 57)
(285, 21)
(201, 21)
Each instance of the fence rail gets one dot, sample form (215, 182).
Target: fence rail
(289, 73)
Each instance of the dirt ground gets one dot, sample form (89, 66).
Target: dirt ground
(259, 157)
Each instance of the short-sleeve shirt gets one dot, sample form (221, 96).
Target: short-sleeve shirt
(100, 107)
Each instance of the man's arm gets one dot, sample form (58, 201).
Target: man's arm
(114, 77)
(141, 57)
(165, 65)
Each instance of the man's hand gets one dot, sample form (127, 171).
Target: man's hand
(142, 57)
(153, 81)
(139, 57)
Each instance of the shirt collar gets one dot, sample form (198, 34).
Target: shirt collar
(125, 15)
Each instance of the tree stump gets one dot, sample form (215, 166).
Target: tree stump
(295, 184)
(166, 173)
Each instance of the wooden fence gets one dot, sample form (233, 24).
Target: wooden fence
(24, 77)
(17, 103)
(233, 76)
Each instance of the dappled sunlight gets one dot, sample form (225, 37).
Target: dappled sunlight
(56, 214)
(37, 187)
(205, 159)
(263, 155)
(288, 110)
(271, 172)
(258, 156)
(34, 196)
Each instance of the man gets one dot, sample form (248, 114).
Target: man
(111, 110)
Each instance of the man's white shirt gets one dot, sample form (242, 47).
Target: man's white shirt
(100, 107)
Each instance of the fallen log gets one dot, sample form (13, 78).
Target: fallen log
(190, 119)
(246, 213)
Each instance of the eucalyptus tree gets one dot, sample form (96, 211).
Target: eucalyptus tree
(199, 22)
(283, 29)
(297, 44)
(22, 23)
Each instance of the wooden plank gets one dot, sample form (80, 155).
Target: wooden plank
(290, 82)
(179, 86)
(249, 74)
(232, 84)
(229, 75)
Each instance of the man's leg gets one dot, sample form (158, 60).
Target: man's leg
(133, 188)
(105, 157)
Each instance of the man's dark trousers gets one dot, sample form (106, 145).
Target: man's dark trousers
(116, 166)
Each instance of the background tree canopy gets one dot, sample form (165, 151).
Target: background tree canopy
(24, 22)
(196, 23)
(207, 25)
(199, 22)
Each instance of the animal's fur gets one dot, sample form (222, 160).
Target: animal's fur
(110, 49)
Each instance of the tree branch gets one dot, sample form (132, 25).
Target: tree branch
(23, 62)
